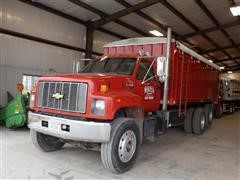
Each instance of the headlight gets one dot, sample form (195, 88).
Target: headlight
(98, 107)
(31, 101)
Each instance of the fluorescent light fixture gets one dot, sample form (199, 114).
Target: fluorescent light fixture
(229, 72)
(222, 67)
(211, 61)
(235, 10)
(156, 33)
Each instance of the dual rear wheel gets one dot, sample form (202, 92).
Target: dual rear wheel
(198, 119)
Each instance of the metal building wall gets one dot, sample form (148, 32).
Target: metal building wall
(20, 56)
(100, 39)
(20, 17)
(235, 75)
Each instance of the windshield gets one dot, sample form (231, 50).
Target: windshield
(111, 65)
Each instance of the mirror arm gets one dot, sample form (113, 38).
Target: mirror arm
(149, 79)
(144, 79)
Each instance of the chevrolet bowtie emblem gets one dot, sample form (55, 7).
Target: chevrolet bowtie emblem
(57, 96)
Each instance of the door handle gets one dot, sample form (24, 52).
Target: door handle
(158, 86)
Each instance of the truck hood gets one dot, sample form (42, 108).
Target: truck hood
(83, 76)
(113, 80)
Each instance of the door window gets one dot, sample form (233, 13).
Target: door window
(142, 70)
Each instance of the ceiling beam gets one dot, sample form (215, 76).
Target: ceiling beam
(89, 42)
(214, 20)
(88, 7)
(221, 48)
(124, 12)
(112, 33)
(150, 19)
(188, 22)
(228, 59)
(178, 14)
(103, 14)
(143, 15)
(40, 40)
(215, 28)
(182, 37)
(153, 21)
(163, 27)
(232, 68)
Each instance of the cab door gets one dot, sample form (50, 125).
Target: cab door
(149, 88)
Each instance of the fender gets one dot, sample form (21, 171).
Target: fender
(124, 100)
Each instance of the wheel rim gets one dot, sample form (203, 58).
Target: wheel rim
(127, 146)
(202, 122)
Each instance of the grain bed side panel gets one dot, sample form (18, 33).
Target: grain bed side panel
(191, 80)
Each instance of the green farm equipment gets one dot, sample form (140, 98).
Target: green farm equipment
(14, 114)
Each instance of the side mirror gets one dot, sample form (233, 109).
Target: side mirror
(161, 71)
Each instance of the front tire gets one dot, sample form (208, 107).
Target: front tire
(45, 142)
(120, 153)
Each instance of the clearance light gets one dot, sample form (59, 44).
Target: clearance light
(235, 10)
(35, 84)
(210, 61)
(222, 67)
(103, 88)
(229, 72)
(156, 33)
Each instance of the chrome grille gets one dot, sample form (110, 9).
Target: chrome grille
(74, 96)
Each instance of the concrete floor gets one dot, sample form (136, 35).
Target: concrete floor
(175, 155)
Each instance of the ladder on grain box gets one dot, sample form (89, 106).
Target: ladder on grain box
(183, 91)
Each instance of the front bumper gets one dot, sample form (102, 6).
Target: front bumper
(76, 130)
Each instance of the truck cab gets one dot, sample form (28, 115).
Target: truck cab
(130, 74)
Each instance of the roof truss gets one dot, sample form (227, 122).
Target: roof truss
(106, 18)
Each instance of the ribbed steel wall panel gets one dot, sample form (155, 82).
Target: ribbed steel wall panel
(20, 17)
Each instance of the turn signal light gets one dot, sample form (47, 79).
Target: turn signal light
(103, 88)
(35, 85)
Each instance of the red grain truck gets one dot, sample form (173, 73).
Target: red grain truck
(139, 87)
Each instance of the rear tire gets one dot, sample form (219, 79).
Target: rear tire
(188, 120)
(199, 121)
(219, 112)
(45, 142)
(120, 153)
(208, 109)
(232, 108)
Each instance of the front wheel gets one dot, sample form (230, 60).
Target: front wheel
(45, 142)
(120, 153)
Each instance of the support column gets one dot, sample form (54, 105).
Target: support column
(89, 41)
(167, 66)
